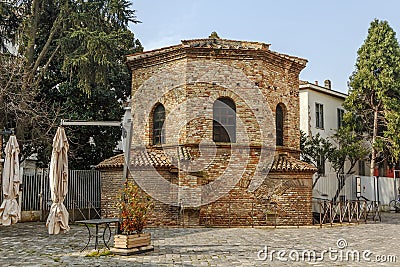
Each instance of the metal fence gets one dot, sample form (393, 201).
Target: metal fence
(354, 211)
(82, 200)
(33, 186)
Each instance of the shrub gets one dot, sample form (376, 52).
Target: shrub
(134, 207)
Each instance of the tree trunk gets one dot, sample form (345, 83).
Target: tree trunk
(316, 180)
(374, 134)
(33, 24)
(341, 179)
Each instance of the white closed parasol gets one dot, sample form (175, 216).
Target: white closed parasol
(9, 209)
(58, 217)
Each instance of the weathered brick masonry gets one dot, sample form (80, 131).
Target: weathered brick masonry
(186, 79)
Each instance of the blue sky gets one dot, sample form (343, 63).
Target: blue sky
(327, 33)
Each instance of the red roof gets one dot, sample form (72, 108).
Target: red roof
(146, 157)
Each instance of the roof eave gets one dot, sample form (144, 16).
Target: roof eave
(324, 90)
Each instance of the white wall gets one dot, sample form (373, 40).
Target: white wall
(311, 94)
(330, 103)
(387, 192)
(304, 112)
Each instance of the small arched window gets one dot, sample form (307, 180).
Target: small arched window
(224, 120)
(158, 123)
(279, 119)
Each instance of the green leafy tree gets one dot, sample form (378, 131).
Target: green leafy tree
(373, 104)
(10, 20)
(348, 147)
(315, 150)
(345, 146)
(73, 67)
(84, 34)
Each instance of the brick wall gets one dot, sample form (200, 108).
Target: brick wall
(238, 208)
(111, 183)
(187, 79)
(277, 78)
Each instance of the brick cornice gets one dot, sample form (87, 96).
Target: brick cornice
(185, 50)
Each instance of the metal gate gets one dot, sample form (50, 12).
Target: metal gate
(82, 200)
(32, 188)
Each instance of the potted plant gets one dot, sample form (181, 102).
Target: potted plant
(134, 207)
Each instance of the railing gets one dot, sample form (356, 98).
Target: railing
(325, 213)
(83, 198)
(354, 211)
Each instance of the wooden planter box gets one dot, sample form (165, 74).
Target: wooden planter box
(132, 244)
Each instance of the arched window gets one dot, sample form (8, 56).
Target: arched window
(158, 122)
(224, 120)
(279, 119)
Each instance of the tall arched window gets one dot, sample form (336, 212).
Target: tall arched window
(224, 120)
(279, 119)
(158, 122)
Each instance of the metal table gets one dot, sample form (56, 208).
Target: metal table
(98, 222)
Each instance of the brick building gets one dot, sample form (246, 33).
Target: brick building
(215, 136)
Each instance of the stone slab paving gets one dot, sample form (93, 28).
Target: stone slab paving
(376, 244)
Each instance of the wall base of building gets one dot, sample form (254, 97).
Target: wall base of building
(283, 199)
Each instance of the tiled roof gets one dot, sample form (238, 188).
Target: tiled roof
(146, 157)
(321, 89)
(184, 153)
(150, 157)
(116, 161)
(157, 158)
(303, 82)
(158, 51)
(225, 44)
(298, 60)
(286, 163)
(215, 44)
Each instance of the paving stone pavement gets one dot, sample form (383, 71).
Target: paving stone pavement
(28, 244)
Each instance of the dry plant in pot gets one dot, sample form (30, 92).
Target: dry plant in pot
(134, 206)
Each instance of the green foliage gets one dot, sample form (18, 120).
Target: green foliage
(10, 20)
(96, 39)
(74, 68)
(344, 146)
(315, 148)
(349, 147)
(305, 155)
(101, 105)
(134, 207)
(375, 86)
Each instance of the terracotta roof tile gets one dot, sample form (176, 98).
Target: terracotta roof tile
(303, 82)
(298, 60)
(116, 161)
(286, 163)
(157, 157)
(146, 157)
(225, 44)
(216, 44)
(184, 153)
(154, 52)
(150, 157)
